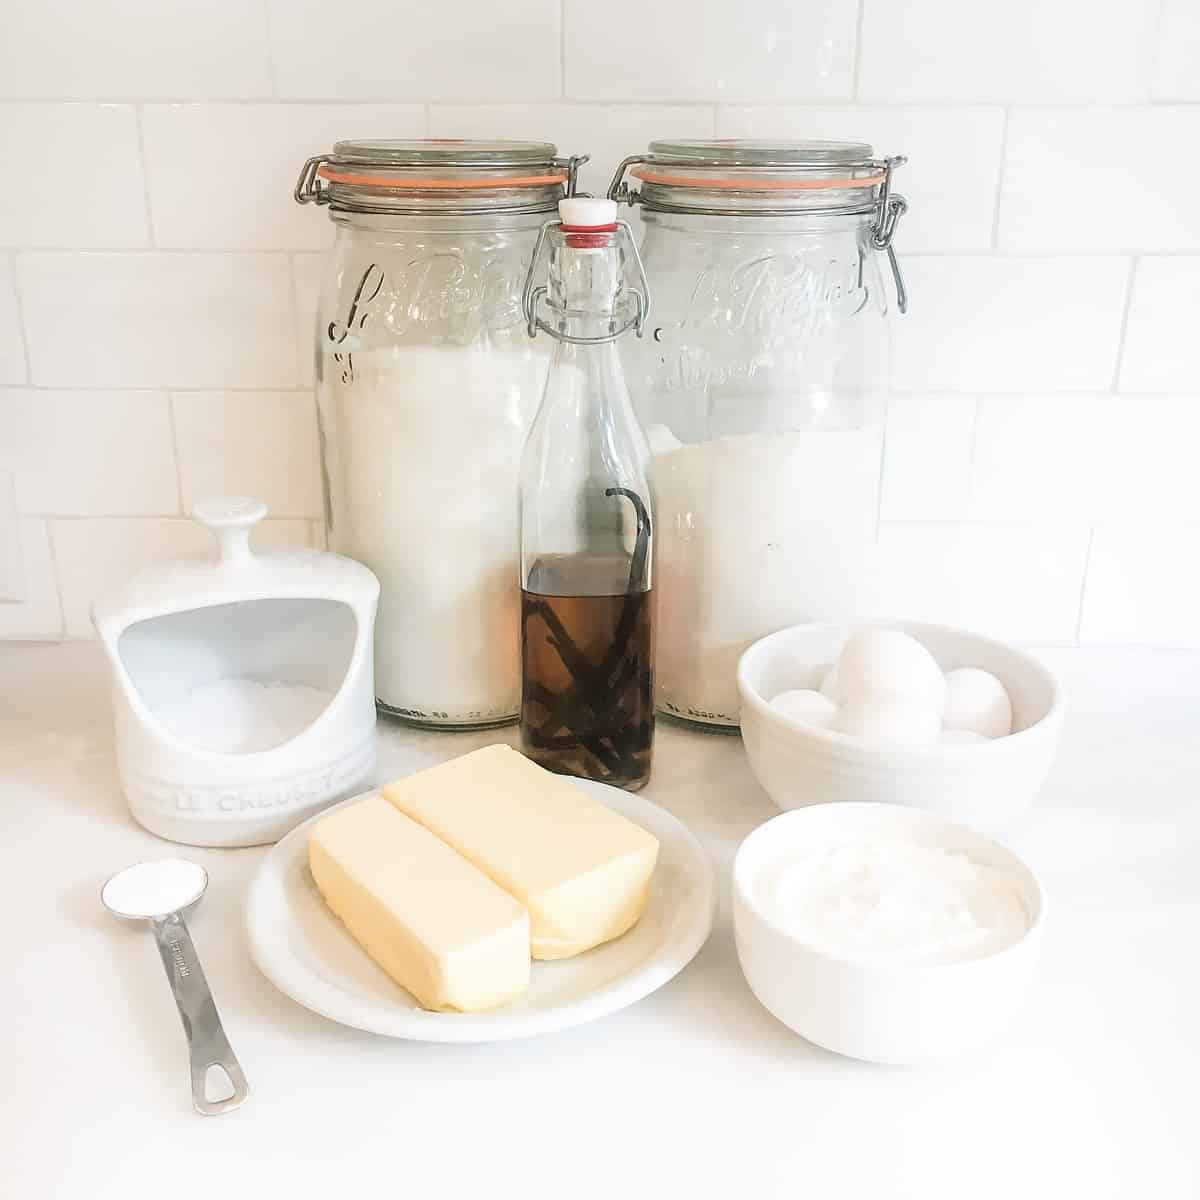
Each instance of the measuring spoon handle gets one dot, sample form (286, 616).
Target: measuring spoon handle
(207, 1044)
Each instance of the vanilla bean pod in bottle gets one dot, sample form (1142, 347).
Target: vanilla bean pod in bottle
(587, 598)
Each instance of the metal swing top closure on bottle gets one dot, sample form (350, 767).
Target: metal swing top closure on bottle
(763, 178)
(587, 224)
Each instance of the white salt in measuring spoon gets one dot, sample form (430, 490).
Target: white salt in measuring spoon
(159, 892)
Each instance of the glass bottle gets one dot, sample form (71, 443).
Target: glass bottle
(587, 693)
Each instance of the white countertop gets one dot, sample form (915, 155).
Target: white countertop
(695, 1092)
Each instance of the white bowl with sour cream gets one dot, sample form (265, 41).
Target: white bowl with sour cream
(885, 933)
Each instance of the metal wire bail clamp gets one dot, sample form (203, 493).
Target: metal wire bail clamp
(534, 296)
(889, 209)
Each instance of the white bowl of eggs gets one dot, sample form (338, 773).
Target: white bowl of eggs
(899, 712)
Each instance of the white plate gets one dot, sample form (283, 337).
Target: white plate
(308, 954)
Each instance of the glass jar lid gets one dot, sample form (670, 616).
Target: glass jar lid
(449, 175)
(721, 177)
(768, 178)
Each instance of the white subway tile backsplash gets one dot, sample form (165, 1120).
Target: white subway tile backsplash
(1162, 349)
(1176, 76)
(12, 342)
(954, 161)
(158, 284)
(95, 556)
(1093, 457)
(38, 614)
(159, 320)
(927, 457)
(137, 49)
(1017, 581)
(1143, 584)
(60, 147)
(260, 149)
(261, 444)
(980, 324)
(474, 50)
(1018, 52)
(608, 132)
(1101, 180)
(710, 50)
(92, 453)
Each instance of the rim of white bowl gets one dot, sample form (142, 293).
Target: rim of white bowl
(743, 891)
(834, 739)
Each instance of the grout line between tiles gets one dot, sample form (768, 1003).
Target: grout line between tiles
(1087, 566)
(139, 117)
(763, 101)
(56, 576)
(179, 518)
(19, 305)
(1066, 520)
(163, 251)
(859, 17)
(972, 449)
(562, 49)
(106, 388)
(1151, 47)
(270, 49)
(1001, 172)
(175, 452)
(1122, 332)
(299, 336)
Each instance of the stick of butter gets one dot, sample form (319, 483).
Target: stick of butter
(439, 927)
(582, 870)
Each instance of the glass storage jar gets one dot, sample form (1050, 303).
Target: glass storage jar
(762, 389)
(427, 385)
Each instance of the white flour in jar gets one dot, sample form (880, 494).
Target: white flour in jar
(755, 532)
(424, 450)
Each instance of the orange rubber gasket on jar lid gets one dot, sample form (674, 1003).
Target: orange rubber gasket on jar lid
(451, 185)
(756, 185)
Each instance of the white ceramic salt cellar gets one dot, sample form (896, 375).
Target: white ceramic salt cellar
(243, 689)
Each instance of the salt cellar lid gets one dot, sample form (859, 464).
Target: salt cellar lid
(231, 571)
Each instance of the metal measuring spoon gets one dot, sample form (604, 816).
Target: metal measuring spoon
(159, 892)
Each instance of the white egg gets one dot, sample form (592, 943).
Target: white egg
(977, 702)
(889, 720)
(875, 661)
(807, 707)
(831, 685)
(961, 737)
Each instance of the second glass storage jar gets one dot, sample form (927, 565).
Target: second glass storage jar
(427, 385)
(762, 388)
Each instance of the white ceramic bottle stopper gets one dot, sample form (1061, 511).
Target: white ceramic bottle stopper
(586, 212)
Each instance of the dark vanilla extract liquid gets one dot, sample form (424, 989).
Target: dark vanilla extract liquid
(587, 680)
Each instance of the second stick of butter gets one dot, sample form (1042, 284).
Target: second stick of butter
(582, 870)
